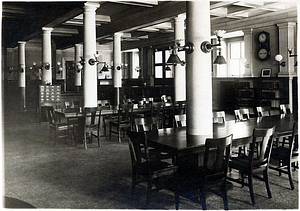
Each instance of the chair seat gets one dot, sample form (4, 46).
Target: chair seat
(62, 126)
(157, 168)
(242, 163)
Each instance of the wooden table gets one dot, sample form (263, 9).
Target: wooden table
(174, 140)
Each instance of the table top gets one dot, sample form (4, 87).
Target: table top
(175, 139)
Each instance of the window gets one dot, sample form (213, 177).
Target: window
(161, 57)
(236, 54)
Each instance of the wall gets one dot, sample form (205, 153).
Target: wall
(274, 49)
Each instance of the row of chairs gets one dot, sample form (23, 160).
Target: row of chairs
(69, 129)
(253, 164)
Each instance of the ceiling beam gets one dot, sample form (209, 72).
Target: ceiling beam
(157, 14)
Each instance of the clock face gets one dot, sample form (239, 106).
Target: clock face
(263, 54)
(262, 37)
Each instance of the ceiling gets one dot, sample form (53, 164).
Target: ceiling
(143, 23)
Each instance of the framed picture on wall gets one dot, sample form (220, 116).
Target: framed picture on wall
(266, 72)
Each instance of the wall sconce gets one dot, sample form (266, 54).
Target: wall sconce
(94, 61)
(206, 47)
(168, 68)
(138, 69)
(47, 66)
(278, 58)
(59, 68)
(174, 59)
(104, 68)
(81, 61)
(79, 67)
(290, 55)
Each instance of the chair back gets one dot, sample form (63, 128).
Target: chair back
(92, 117)
(245, 113)
(219, 117)
(216, 158)
(263, 141)
(284, 109)
(180, 120)
(145, 123)
(237, 115)
(138, 146)
(179, 107)
(263, 111)
(51, 116)
(292, 142)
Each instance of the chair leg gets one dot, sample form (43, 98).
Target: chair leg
(290, 175)
(149, 190)
(266, 178)
(203, 200)
(251, 188)
(176, 201)
(225, 200)
(110, 132)
(98, 136)
(84, 140)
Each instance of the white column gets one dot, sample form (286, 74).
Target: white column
(47, 70)
(117, 76)
(179, 70)
(77, 60)
(89, 49)
(248, 52)
(286, 41)
(198, 71)
(22, 66)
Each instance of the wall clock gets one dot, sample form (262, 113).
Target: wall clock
(263, 46)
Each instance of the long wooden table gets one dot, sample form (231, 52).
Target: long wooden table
(174, 140)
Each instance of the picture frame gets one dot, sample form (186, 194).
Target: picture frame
(266, 72)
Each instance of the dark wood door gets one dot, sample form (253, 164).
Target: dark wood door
(70, 76)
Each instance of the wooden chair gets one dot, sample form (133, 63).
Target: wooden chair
(219, 117)
(263, 111)
(61, 130)
(211, 177)
(91, 125)
(143, 167)
(179, 107)
(241, 114)
(257, 161)
(284, 109)
(287, 156)
(180, 120)
(145, 124)
(123, 121)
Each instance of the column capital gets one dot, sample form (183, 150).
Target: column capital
(21, 42)
(286, 25)
(118, 34)
(78, 45)
(247, 31)
(47, 29)
(92, 6)
(180, 17)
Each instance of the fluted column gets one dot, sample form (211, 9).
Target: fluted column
(179, 70)
(198, 71)
(47, 71)
(89, 49)
(22, 66)
(77, 60)
(117, 76)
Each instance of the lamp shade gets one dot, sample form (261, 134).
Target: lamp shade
(173, 59)
(167, 68)
(278, 57)
(104, 69)
(220, 60)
